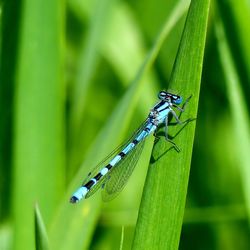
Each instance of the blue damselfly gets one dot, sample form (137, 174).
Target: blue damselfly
(113, 172)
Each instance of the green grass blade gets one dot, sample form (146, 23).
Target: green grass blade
(238, 108)
(117, 46)
(75, 224)
(114, 51)
(122, 239)
(88, 59)
(10, 20)
(163, 202)
(42, 242)
(236, 20)
(38, 171)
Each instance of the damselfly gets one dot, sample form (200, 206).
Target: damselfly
(113, 173)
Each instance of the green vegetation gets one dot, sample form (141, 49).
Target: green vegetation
(78, 77)
(171, 180)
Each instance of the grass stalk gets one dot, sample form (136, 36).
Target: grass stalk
(163, 201)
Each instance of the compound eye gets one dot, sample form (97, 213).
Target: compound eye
(162, 95)
(177, 100)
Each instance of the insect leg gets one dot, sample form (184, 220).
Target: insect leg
(166, 135)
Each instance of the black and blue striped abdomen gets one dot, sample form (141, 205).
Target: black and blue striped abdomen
(100, 178)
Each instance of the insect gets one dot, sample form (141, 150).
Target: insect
(113, 173)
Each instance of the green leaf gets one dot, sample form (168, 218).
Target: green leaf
(42, 242)
(122, 239)
(117, 46)
(38, 161)
(163, 202)
(236, 18)
(88, 58)
(238, 109)
(9, 20)
(75, 224)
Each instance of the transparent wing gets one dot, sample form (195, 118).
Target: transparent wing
(120, 174)
(106, 160)
(99, 184)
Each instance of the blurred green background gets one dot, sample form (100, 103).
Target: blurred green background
(65, 69)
